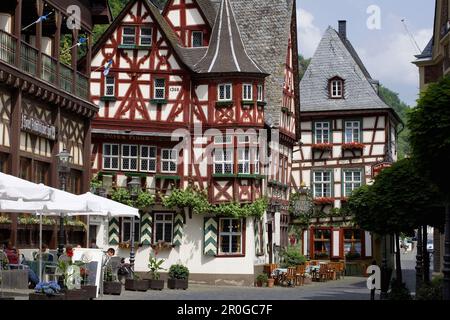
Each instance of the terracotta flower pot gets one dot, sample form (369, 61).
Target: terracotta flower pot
(270, 283)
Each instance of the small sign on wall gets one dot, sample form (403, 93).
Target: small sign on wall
(377, 168)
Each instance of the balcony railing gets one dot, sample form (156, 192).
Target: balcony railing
(48, 69)
(65, 78)
(82, 86)
(28, 57)
(7, 47)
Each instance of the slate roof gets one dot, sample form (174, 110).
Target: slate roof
(209, 10)
(334, 58)
(428, 51)
(226, 52)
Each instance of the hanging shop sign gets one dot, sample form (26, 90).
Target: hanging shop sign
(377, 168)
(38, 127)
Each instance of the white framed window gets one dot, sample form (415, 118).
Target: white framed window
(169, 158)
(322, 184)
(197, 39)
(110, 82)
(260, 93)
(163, 227)
(111, 156)
(230, 236)
(337, 88)
(129, 35)
(244, 161)
(223, 161)
(257, 162)
(126, 230)
(247, 92)
(227, 139)
(148, 159)
(322, 132)
(352, 131)
(225, 92)
(244, 139)
(352, 181)
(146, 36)
(129, 157)
(159, 90)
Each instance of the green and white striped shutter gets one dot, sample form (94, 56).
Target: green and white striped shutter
(210, 240)
(178, 230)
(146, 229)
(113, 231)
(258, 248)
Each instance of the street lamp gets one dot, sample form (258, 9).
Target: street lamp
(63, 169)
(134, 187)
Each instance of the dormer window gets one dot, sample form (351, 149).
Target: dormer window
(336, 87)
(129, 35)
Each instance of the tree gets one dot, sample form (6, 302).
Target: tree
(303, 65)
(429, 123)
(398, 202)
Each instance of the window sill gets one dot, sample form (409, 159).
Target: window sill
(248, 102)
(224, 103)
(261, 103)
(224, 175)
(158, 101)
(230, 256)
(139, 175)
(168, 176)
(134, 46)
(107, 173)
(107, 98)
(250, 176)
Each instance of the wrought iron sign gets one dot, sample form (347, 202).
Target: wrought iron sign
(38, 127)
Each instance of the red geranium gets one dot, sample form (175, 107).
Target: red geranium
(353, 146)
(323, 201)
(322, 146)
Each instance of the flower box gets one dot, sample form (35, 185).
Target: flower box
(112, 288)
(177, 284)
(156, 284)
(43, 296)
(322, 147)
(353, 146)
(324, 201)
(136, 285)
(80, 294)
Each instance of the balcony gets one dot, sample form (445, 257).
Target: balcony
(72, 82)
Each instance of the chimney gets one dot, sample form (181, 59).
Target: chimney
(343, 29)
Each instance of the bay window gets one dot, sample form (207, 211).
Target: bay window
(247, 92)
(260, 93)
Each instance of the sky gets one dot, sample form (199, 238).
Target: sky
(378, 34)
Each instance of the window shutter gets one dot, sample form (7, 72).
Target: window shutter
(336, 243)
(113, 231)
(178, 230)
(368, 243)
(146, 229)
(210, 239)
(258, 249)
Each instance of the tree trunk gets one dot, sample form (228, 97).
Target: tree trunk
(426, 255)
(398, 260)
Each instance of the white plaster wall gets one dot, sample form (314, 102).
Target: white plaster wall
(193, 17)
(337, 137)
(174, 17)
(277, 233)
(202, 92)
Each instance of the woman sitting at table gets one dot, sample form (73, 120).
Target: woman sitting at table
(14, 259)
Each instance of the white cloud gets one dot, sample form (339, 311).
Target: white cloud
(390, 60)
(309, 35)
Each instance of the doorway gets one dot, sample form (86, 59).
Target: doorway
(270, 242)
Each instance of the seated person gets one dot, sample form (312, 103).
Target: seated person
(14, 259)
(45, 255)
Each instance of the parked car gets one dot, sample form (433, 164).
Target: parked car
(430, 246)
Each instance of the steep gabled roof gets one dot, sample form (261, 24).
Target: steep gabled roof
(334, 58)
(208, 10)
(226, 52)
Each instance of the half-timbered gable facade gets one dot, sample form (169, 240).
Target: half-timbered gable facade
(214, 94)
(348, 134)
(44, 102)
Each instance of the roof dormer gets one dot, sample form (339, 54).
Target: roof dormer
(336, 88)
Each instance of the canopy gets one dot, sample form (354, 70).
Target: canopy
(104, 206)
(13, 188)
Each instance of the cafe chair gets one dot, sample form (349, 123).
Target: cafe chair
(290, 277)
(300, 275)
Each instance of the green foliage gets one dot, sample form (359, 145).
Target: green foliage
(46, 221)
(144, 200)
(178, 271)
(432, 291)
(154, 265)
(291, 257)
(303, 65)
(262, 278)
(65, 53)
(400, 200)
(429, 123)
(235, 210)
(96, 184)
(122, 195)
(399, 291)
(4, 219)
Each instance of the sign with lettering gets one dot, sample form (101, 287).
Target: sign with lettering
(38, 127)
(377, 168)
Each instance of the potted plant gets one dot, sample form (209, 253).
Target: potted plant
(261, 279)
(270, 282)
(47, 291)
(136, 284)
(178, 277)
(155, 266)
(109, 285)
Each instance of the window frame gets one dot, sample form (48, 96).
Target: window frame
(360, 131)
(344, 180)
(109, 85)
(136, 231)
(330, 182)
(257, 163)
(128, 35)
(163, 222)
(159, 88)
(246, 94)
(129, 157)
(170, 160)
(315, 123)
(141, 36)
(260, 95)
(225, 98)
(223, 162)
(111, 156)
(361, 241)
(148, 158)
(245, 161)
(202, 38)
(324, 241)
(336, 88)
(231, 235)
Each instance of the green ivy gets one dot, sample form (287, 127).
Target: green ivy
(123, 196)
(143, 201)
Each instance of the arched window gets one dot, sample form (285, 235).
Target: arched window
(336, 88)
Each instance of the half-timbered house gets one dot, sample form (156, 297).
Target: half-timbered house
(219, 73)
(44, 103)
(348, 134)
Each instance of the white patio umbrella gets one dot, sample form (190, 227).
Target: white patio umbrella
(13, 188)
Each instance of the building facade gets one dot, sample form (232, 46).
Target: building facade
(348, 134)
(190, 93)
(44, 103)
(433, 64)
